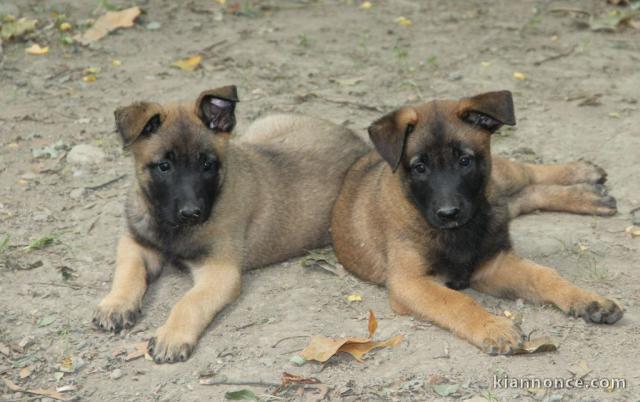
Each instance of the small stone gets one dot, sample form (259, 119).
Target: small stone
(153, 25)
(455, 76)
(85, 154)
(76, 193)
(116, 374)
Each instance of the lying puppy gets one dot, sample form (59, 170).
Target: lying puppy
(218, 206)
(433, 203)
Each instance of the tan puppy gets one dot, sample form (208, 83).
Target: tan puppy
(433, 203)
(217, 206)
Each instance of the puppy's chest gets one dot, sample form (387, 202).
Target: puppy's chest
(458, 253)
(175, 244)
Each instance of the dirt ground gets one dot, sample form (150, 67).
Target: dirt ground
(576, 97)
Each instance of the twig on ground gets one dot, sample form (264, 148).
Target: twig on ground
(105, 184)
(555, 56)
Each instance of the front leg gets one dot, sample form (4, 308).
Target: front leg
(135, 264)
(513, 276)
(411, 291)
(216, 284)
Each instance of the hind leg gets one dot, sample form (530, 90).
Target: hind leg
(511, 177)
(586, 199)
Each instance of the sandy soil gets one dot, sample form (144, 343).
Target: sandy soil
(339, 61)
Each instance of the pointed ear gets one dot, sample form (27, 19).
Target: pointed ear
(138, 120)
(216, 108)
(489, 110)
(389, 134)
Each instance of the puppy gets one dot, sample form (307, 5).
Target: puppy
(217, 205)
(432, 203)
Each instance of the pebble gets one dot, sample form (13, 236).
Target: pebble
(115, 374)
(76, 193)
(454, 76)
(85, 154)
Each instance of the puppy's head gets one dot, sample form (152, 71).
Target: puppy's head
(441, 152)
(179, 152)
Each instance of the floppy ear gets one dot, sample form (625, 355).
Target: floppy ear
(389, 134)
(216, 108)
(138, 120)
(489, 110)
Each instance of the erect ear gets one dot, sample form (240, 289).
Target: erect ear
(389, 134)
(138, 120)
(489, 110)
(216, 108)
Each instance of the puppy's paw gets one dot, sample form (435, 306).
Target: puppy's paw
(591, 199)
(603, 311)
(115, 314)
(588, 172)
(501, 337)
(169, 346)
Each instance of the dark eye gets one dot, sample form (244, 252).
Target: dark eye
(419, 167)
(207, 165)
(464, 161)
(164, 166)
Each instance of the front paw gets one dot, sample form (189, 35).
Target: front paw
(170, 346)
(593, 199)
(603, 311)
(115, 314)
(588, 172)
(500, 337)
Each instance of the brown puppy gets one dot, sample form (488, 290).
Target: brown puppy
(218, 205)
(432, 203)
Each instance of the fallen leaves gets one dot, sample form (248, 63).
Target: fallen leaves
(326, 260)
(406, 22)
(241, 395)
(519, 76)
(537, 345)
(322, 349)
(366, 5)
(189, 64)
(41, 392)
(354, 298)
(12, 28)
(37, 50)
(107, 23)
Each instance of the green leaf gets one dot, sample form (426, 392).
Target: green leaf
(297, 360)
(241, 395)
(48, 320)
(446, 389)
(40, 243)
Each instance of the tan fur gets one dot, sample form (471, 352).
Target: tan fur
(380, 236)
(279, 183)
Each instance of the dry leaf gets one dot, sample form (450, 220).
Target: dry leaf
(358, 350)
(354, 298)
(288, 378)
(89, 78)
(580, 370)
(633, 231)
(188, 64)
(519, 76)
(14, 29)
(25, 372)
(108, 22)
(404, 21)
(64, 27)
(322, 349)
(42, 392)
(139, 351)
(537, 345)
(373, 323)
(366, 5)
(37, 50)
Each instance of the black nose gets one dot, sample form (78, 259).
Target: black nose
(448, 213)
(190, 212)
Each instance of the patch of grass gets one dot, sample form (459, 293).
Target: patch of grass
(400, 53)
(4, 243)
(304, 41)
(41, 243)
